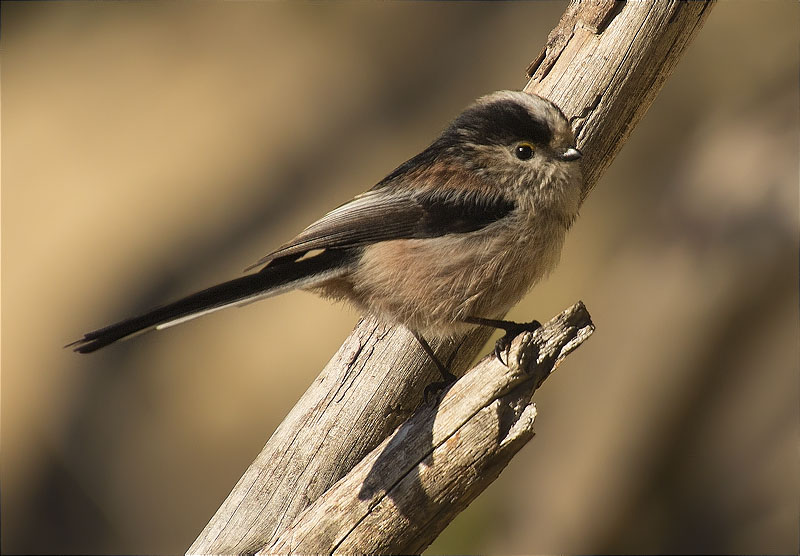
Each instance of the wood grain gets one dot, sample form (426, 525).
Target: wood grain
(405, 491)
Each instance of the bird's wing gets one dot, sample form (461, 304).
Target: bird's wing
(383, 214)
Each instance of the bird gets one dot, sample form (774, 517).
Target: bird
(449, 240)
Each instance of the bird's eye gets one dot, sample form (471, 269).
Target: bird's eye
(523, 151)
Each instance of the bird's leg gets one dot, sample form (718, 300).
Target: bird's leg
(511, 328)
(448, 378)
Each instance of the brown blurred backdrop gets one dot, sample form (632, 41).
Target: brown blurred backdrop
(151, 149)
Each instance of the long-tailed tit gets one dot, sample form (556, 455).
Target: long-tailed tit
(450, 239)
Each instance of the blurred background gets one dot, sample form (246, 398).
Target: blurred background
(151, 149)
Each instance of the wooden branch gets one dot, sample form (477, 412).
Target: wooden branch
(604, 64)
(401, 496)
(372, 385)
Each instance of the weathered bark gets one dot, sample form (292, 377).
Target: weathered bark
(405, 491)
(603, 65)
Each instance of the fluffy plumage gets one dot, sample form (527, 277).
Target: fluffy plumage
(461, 230)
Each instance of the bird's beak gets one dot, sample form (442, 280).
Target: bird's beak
(571, 154)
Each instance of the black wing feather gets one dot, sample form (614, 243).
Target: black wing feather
(383, 215)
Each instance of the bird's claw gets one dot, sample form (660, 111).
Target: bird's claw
(499, 347)
(512, 331)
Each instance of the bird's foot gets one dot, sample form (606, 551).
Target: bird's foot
(512, 330)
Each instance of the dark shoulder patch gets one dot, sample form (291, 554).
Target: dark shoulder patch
(448, 214)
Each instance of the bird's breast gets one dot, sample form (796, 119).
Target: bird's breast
(430, 284)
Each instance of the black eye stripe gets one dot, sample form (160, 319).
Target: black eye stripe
(503, 122)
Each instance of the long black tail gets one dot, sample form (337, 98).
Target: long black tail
(271, 280)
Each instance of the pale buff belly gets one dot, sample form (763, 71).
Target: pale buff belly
(429, 285)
